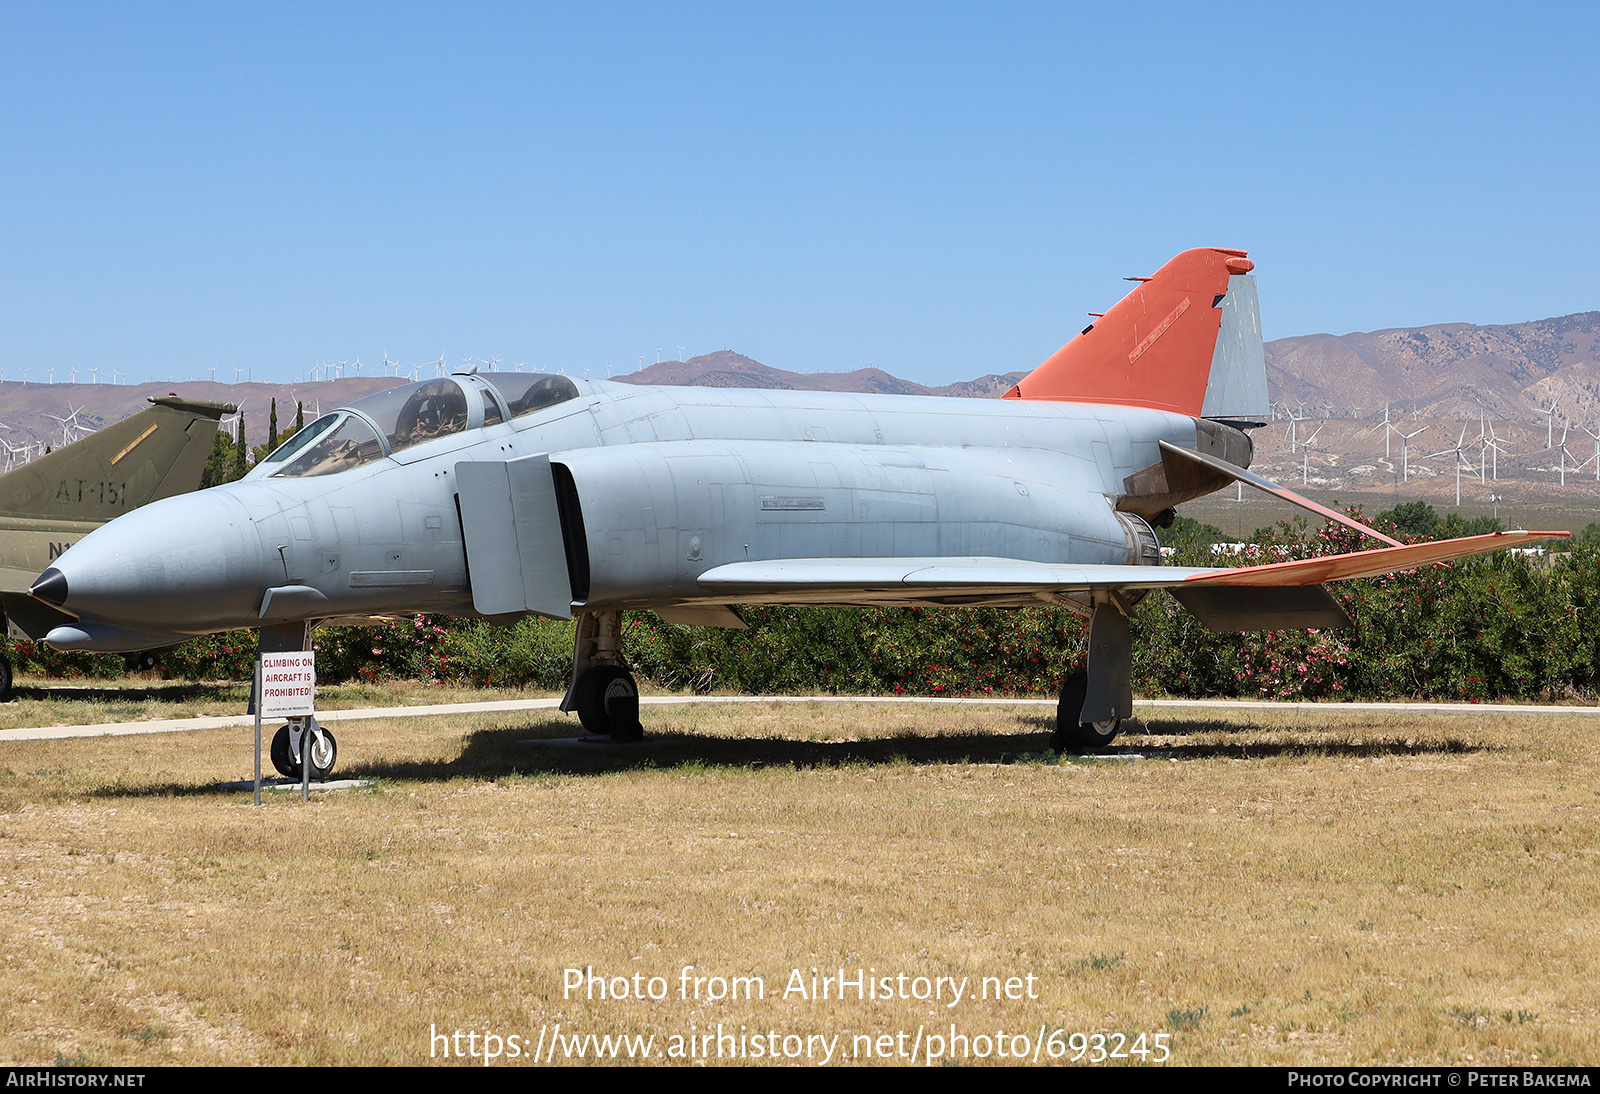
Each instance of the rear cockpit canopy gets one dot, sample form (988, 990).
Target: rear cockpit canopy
(391, 421)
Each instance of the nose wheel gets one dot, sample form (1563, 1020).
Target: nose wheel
(608, 703)
(286, 747)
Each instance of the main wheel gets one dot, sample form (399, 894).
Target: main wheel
(283, 756)
(5, 678)
(608, 703)
(1071, 733)
(324, 752)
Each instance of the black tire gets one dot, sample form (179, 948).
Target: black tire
(608, 703)
(1071, 734)
(324, 753)
(143, 661)
(282, 758)
(5, 679)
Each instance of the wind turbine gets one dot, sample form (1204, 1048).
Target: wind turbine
(1405, 453)
(1294, 431)
(1495, 447)
(1550, 422)
(1305, 449)
(1596, 457)
(1460, 459)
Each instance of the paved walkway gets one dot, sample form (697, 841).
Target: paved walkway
(177, 725)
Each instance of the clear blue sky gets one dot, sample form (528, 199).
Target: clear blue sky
(938, 190)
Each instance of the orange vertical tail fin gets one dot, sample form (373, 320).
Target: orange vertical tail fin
(1188, 339)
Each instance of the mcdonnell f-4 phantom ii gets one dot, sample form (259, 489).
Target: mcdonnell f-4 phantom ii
(500, 495)
(48, 504)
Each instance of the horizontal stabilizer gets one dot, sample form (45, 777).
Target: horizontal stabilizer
(1267, 486)
(1385, 560)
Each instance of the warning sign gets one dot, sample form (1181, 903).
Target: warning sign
(288, 684)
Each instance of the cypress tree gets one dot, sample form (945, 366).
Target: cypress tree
(299, 415)
(219, 465)
(272, 427)
(241, 455)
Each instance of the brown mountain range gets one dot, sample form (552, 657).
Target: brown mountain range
(724, 368)
(1451, 370)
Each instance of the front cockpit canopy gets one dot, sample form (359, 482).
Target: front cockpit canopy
(413, 414)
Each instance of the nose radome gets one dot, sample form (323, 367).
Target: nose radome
(51, 587)
(188, 564)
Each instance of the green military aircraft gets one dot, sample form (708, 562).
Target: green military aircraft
(49, 504)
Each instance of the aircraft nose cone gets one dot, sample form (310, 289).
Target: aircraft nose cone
(189, 564)
(51, 587)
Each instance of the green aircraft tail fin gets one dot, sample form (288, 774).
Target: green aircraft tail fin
(153, 454)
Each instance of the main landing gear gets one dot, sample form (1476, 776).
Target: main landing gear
(286, 746)
(603, 693)
(1095, 701)
(1070, 733)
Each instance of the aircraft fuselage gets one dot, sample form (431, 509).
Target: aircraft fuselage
(670, 482)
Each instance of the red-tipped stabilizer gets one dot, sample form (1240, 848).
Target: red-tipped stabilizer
(1153, 348)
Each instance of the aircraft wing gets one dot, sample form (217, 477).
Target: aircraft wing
(922, 580)
(1268, 597)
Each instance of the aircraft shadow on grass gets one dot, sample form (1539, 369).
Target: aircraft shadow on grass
(523, 750)
(491, 753)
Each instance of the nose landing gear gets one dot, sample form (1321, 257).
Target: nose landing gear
(603, 693)
(286, 749)
(608, 703)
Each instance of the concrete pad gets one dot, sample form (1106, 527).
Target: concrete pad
(285, 784)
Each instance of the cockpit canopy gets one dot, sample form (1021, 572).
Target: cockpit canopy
(413, 414)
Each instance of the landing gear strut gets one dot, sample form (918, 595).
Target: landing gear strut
(1094, 702)
(286, 746)
(603, 693)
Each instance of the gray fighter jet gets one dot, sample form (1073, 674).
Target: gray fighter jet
(48, 504)
(507, 494)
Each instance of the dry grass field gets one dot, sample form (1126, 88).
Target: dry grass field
(1319, 887)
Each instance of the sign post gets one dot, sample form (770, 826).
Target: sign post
(289, 690)
(255, 704)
